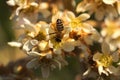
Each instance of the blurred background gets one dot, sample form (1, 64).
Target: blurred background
(7, 34)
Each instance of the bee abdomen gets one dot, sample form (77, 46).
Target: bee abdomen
(59, 25)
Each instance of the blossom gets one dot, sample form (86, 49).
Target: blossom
(105, 60)
(38, 30)
(28, 9)
(23, 7)
(58, 39)
(81, 29)
(46, 64)
(111, 33)
(100, 8)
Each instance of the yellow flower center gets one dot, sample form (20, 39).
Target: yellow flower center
(106, 60)
(75, 23)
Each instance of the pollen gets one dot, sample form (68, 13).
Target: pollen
(106, 60)
(75, 22)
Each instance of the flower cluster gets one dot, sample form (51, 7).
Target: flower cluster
(65, 34)
(100, 8)
(111, 33)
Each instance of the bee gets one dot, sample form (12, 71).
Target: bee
(58, 30)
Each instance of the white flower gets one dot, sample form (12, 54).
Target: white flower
(105, 59)
(111, 33)
(38, 30)
(101, 8)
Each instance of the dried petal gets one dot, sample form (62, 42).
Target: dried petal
(15, 44)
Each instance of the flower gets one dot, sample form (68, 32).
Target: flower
(28, 9)
(101, 8)
(38, 30)
(58, 38)
(105, 60)
(46, 64)
(111, 33)
(81, 29)
(24, 7)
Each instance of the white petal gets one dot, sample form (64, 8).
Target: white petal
(68, 46)
(11, 2)
(100, 69)
(15, 44)
(27, 46)
(34, 42)
(97, 56)
(34, 4)
(43, 5)
(109, 1)
(18, 10)
(34, 63)
(104, 32)
(80, 7)
(116, 34)
(34, 53)
(105, 48)
(87, 27)
(87, 72)
(113, 47)
(70, 14)
(95, 35)
(83, 16)
(26, 21)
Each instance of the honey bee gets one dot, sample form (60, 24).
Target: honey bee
(58, 30)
